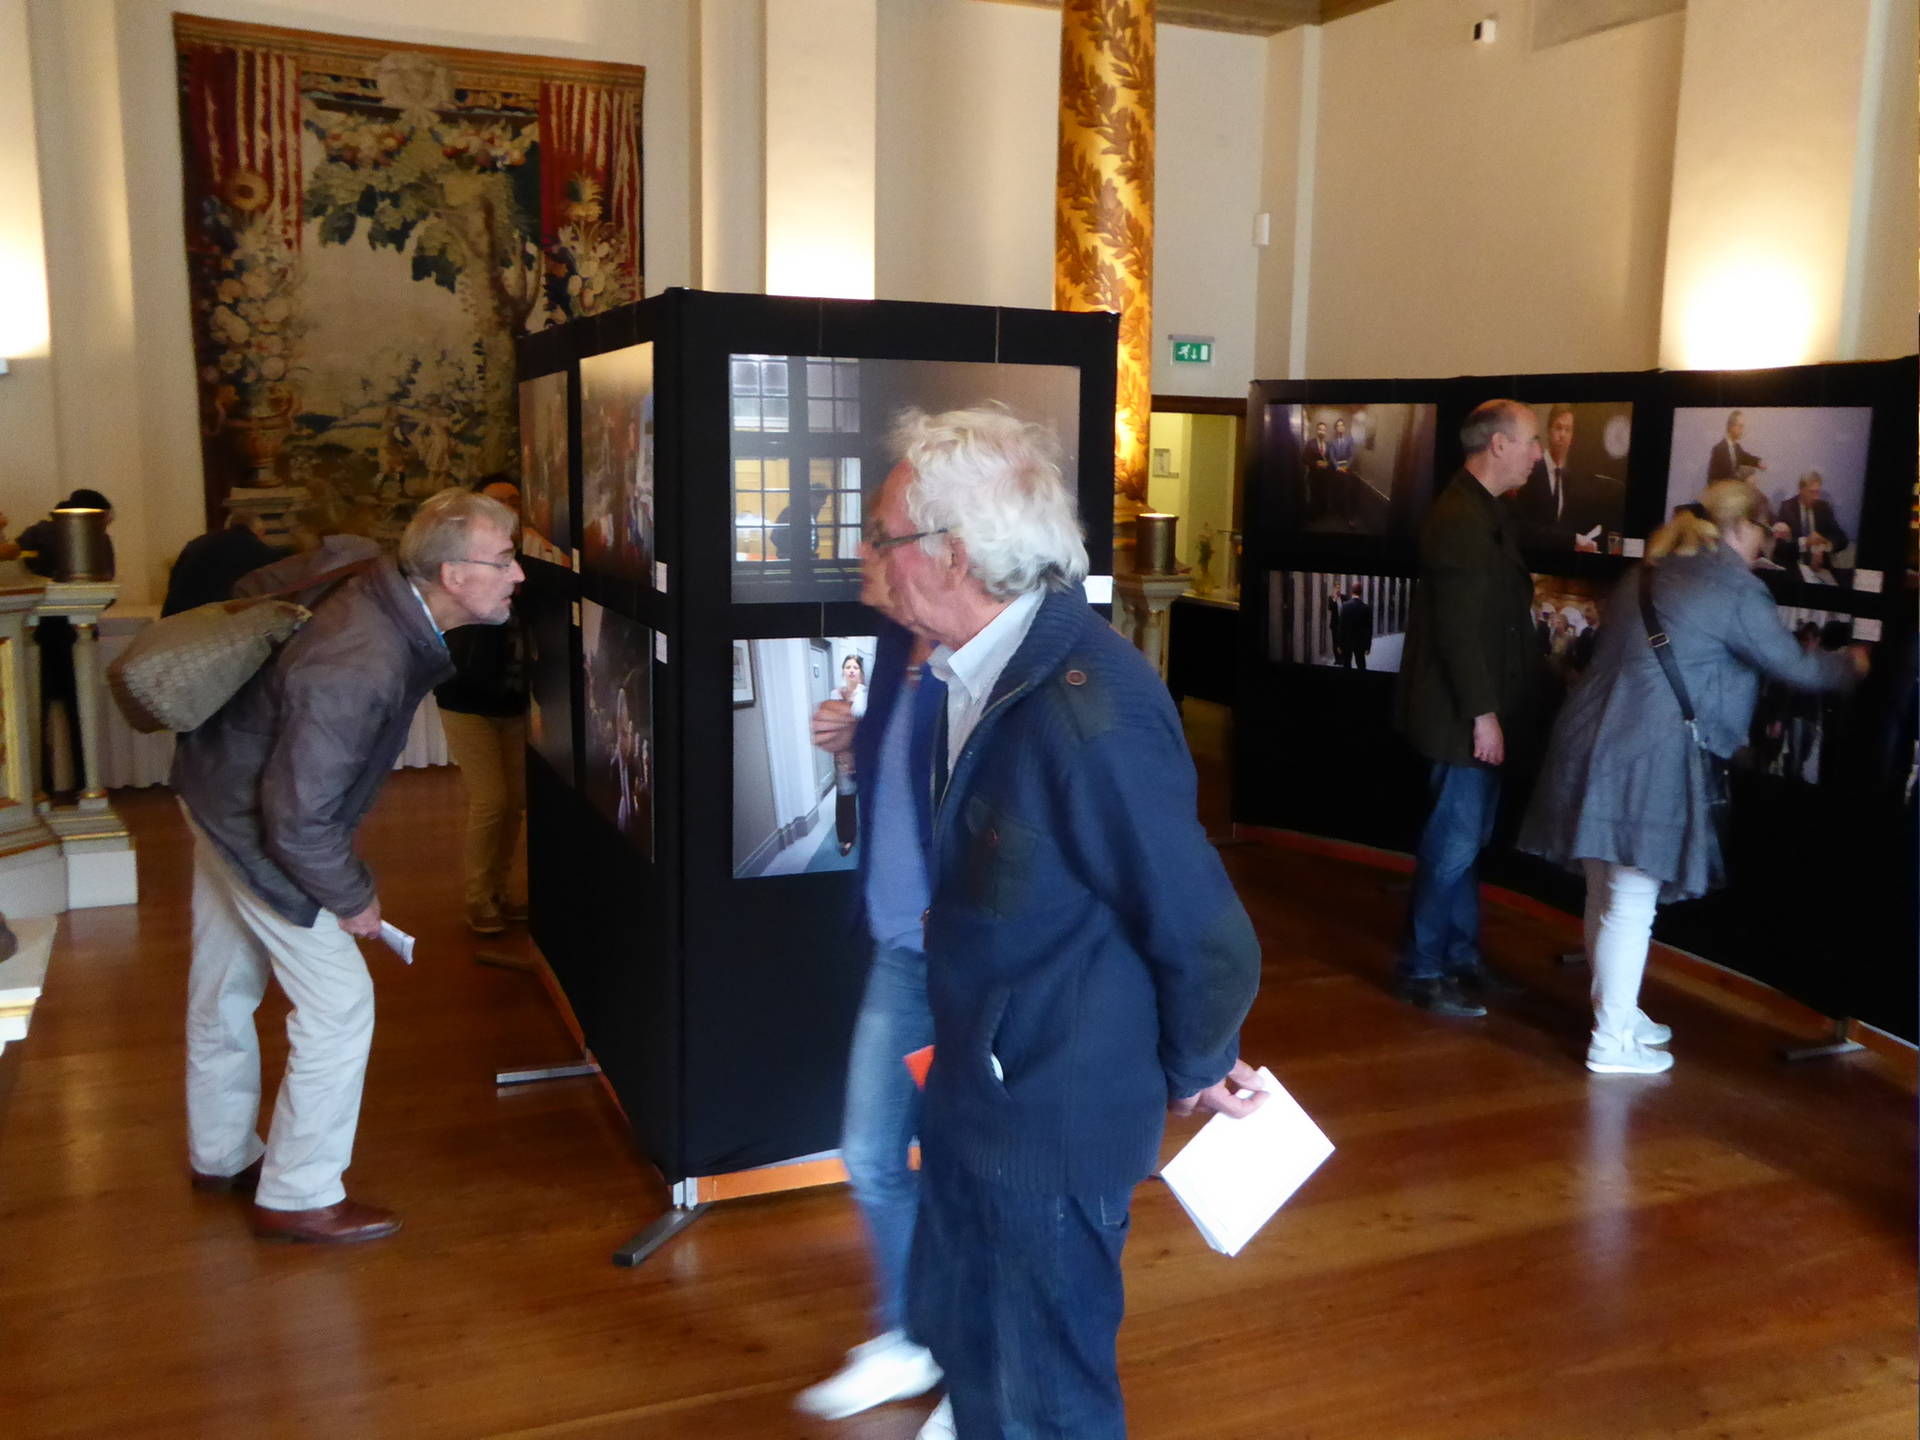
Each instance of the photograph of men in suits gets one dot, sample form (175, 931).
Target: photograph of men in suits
(1565, 504)
(1352, 630)
(1357, 469)
(1729, 460)
(1316, 469)
(1816, 521)
(1809, 520)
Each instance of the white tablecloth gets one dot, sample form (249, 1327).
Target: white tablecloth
(130, 758)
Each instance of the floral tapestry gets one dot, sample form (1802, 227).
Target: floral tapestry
(369, 227)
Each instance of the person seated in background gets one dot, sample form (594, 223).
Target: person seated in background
(53, 637)
(209, 564)
(1816, 565)
(37, 539)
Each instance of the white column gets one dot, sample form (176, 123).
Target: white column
(732, 145)
(821, 110)
(1784, 213)
(30, 460)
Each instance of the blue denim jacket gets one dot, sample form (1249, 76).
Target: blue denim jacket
(1087, 957)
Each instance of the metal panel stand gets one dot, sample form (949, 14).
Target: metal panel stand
(1841, 1043)
(686, 1209)
(534, 1074)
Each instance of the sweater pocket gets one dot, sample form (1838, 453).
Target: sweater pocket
(998, 860)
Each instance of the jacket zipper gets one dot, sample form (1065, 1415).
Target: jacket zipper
(953, 774)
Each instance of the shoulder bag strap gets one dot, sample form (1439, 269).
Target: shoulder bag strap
(1663, 648)
(325, 577)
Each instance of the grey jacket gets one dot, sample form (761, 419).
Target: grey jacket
(1621, 781)
(281, 777)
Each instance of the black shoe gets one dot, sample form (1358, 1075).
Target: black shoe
(1442, 996)
(1488, 984)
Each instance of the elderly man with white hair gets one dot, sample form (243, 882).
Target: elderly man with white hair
(1088, 965)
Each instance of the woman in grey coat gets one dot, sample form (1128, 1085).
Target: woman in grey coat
(1623, 794)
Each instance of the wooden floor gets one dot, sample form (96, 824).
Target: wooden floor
(1502, 1246)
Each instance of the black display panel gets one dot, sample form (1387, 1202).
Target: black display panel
(1824, 795)
(734, 938)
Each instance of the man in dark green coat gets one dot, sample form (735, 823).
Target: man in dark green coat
(1468, 674)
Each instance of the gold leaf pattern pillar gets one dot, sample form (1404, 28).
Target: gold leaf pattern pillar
(1103, 214)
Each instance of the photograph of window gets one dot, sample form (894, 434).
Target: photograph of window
(812, 443)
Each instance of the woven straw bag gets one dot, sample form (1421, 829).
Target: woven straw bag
(178, 671)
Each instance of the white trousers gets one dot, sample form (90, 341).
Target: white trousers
(238, 942)
(1619, 927)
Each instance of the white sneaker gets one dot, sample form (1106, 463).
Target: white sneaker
(939, 1424)
(887, 1367)
(1650, 1032)
(1626, 1056)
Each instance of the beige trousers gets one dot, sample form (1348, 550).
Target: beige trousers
(491, 753)
(239, 942)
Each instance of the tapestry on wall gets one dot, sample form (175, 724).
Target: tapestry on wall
(369, 227)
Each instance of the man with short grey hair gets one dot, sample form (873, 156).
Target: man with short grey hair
(1088, 965)
(274, 787)
(1469, 670)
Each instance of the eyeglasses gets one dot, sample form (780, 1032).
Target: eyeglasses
(880, 542)
(491, 564)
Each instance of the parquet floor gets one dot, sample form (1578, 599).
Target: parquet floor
(1501, 1246)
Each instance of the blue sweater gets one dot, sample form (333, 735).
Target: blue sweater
(1083, 931)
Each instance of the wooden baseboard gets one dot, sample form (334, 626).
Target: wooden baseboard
(1693, 973)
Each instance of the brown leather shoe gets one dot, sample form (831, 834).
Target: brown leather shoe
(341, 1224)
(244, 1183)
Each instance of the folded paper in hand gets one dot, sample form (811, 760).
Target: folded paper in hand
(401, 943)
(1234, 1174)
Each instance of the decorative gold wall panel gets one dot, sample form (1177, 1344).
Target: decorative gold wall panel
(1103, 215)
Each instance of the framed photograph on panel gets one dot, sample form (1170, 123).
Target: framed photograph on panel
(1355, 469)
(795, 806)
(619, 728)
(1798, 735)
(812, 442)
(550, 686)
(1576, 497)
(546, 497)
(1809, 461)
(1567, 615)
(616, 464)
(1355, 622)
(742, 674)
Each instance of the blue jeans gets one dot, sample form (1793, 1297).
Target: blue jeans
(882, 1117)
(1019, 1298)
(1443, 913)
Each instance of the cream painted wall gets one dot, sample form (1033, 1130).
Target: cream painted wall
(821, 104)
(733, 146)
(30, 454)
(1211, 104)
(1288, 130)
(967, 127)
(1479, 208)
(109, 142)
(1773, 184)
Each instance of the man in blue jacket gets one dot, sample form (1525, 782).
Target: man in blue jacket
(1088, 965)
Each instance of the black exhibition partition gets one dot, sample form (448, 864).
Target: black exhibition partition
(1822, 902)
(706, 932)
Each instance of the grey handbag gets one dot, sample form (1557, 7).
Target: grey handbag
(178, 672)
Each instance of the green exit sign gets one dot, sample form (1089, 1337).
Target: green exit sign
(1193, 352)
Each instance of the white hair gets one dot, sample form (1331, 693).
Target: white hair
(992, 480)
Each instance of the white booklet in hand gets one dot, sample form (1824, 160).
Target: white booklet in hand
(1234, 1174)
